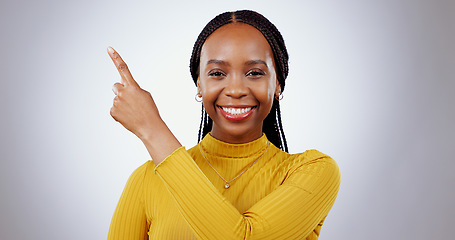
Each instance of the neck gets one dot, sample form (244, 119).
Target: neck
(218, 150)
(236, 138)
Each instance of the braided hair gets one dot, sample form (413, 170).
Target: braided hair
(272, 126)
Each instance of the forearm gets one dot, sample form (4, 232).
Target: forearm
(159, 141)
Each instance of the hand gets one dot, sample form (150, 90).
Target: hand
(133, 107)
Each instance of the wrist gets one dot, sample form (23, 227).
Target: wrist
(159, 141)
(151, 131)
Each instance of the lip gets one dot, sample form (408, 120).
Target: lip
(236, 117)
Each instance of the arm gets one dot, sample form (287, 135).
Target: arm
(129, 220)
(292, 211)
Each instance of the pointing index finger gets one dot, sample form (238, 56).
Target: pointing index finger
(122, 68)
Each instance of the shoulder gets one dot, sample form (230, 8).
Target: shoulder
(141, 173)
(313, 171)
(144, 168)
(311, 156)
(313, 161)
(306, 157)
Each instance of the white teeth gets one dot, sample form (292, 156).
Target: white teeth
(236, 111)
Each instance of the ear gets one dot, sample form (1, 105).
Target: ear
(277, 89)
(198, 86)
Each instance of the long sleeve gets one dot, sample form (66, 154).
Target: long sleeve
(129, 220)
(292, 211)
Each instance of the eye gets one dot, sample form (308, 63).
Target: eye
(256, 73)
(216, 73)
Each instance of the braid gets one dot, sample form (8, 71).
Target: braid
(272, 126)
(199, 136)
(205, 126)
(284, 143)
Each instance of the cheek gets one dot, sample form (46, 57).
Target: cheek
(209, 95)
(207, 91)
(270, 94)
(267, 92)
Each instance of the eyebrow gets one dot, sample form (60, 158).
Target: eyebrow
(254, 62)
(216, 61)
(221, 62)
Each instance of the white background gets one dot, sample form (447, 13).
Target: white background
(371, 83)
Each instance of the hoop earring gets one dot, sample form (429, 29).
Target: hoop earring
(198, 97)
(279, 97)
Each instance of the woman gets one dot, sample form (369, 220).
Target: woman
(239, 182)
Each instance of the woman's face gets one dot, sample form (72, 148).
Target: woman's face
(237, 81)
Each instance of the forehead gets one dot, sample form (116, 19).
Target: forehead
(237, 40)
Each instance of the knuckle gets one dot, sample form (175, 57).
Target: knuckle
(115, 103)
(144, 92)
(122, 66)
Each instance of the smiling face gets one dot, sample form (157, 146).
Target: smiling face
(237, 81)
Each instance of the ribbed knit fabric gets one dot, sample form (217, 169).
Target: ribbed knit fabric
(282, 196)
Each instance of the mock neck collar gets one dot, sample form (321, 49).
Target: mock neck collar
(217, 148)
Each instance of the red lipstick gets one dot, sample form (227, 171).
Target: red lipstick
(235, 113)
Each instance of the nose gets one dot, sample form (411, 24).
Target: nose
(236, 87)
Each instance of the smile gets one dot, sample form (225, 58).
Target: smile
(236, 113)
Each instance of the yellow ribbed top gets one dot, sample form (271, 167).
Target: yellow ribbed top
(282, 196)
